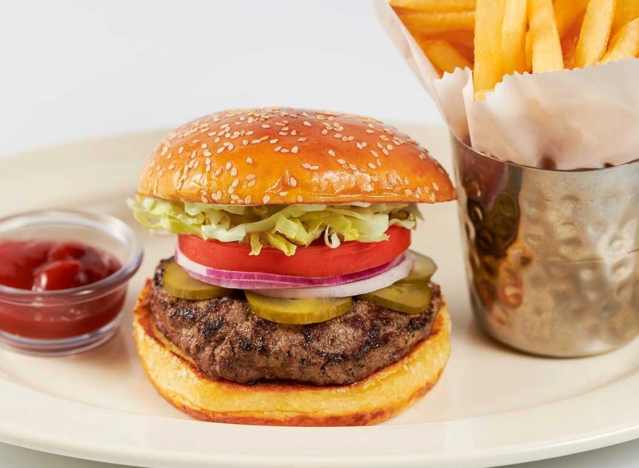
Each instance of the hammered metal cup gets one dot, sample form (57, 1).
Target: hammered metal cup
(552, 256)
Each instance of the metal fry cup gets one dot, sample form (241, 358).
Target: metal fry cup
(552, 257)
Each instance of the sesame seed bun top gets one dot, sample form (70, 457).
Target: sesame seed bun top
(286, 156)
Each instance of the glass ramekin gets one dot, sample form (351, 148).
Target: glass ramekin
(69, 321)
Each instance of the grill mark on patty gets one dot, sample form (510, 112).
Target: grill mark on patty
(227, 341)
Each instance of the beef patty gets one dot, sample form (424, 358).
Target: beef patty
(228, 341)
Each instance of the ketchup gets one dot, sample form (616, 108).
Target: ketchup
(42, 266)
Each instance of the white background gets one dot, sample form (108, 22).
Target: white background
(79, 69)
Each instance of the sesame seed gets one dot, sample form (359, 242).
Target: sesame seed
(324, 132)
(306, 123)
(314, 168)
(277, 148)
(379, 145)
(247, 200)
(379, 162)
(218, 172)
(234, 171)
(435, 186)
(364, 144)
(230, 146)
(169, 156)
(368, 130)
(204, 145)
(284, 150)
(353, 166)
(374, 153)
(250, 177)
(293, 132)
(251, 183)
(389, 147)
(371, 165)
(171, 167)
(255, 142)
(207, 153)
(341, 161)
(337, 135)
(273, 141)
(283, 194)
(299, 199)
(217, 140)
(359, 145)
(245, 142)
(301, 139)
(266, 126)
(294, 150)
(282, 133)
(292, 182)
(228, 166)
(266, 199)
(219, 194)
(331, 152)
(306, 165)
(181, 150)
(250, 132)
(235, 183)
(230, 189)
(234, 197)
(385, 151)
(219, 150)
(249, 160)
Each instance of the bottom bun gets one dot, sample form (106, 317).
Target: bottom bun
(377, 398)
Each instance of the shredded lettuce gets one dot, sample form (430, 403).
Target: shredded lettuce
(284, 227)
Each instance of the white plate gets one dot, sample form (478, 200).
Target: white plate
(492, 406)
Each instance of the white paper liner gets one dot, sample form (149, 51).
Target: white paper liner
(573, 119)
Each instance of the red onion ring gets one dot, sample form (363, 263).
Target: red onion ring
(398, 272)
(252, 280)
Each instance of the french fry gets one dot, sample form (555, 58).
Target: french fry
(528, 51)
(462, 41)
(488, 69)
(435, 5)
(595, 32)
(569, 44)
(430, 23)
(625, 12)
(625, 44)
(513, 37)
(567, 13)
(444, 56)
(546, 46)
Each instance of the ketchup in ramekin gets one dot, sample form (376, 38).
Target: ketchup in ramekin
(63, 280)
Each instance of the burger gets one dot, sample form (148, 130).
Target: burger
(292, 297)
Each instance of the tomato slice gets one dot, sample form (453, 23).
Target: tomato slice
(316, 260)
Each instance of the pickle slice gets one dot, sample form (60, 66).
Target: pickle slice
(423, 270)
(410, 298)
(178, 283)
(297, 311)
